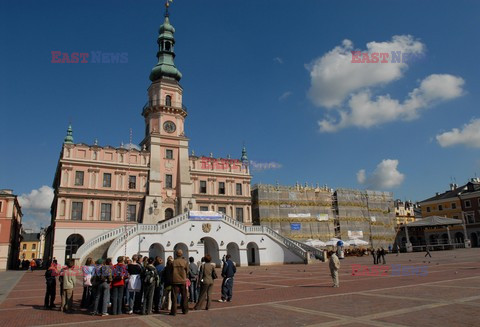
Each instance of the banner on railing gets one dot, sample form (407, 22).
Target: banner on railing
(295, 226)
(299, 215)
(204, 215)
(322, 216)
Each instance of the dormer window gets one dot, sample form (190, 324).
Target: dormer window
(168, 101)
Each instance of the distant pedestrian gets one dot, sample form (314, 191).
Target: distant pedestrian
(33, 264)
(228, 274)
(334, 265)
(398, 250)
(374, 255)
(390, 248)
(379, 254)
(427, 252)
(382, 255)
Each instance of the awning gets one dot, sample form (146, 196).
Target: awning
(434, 221)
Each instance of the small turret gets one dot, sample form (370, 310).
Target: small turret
(69, 138)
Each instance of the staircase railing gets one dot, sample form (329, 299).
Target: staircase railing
(86, 248)
(145, 228)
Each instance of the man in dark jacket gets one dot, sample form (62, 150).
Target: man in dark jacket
(50, 279)
(150, 280)
(228, 272)
(193, 277)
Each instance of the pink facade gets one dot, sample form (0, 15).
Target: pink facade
(10, 225)
(98, 188)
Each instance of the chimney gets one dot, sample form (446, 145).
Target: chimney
(437, 193)
(452, 187)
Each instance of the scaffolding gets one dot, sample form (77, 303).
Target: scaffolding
(297, 212)
(303, 212)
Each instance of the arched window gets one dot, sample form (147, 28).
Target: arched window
(168, 100)
(167, 46)
(74, 241)
(168, 213)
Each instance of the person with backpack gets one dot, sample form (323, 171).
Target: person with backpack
(150, 281)
(228, 272)
(193, 277)
(134, 297)
(50, 280)
(103, 278)
(120, 273)
(158, 295)
(88, 270)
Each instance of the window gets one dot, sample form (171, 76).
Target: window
(106, 212)
(222, 210)
(168, 181)
(468, 204)
(169, 154)
(203, 208)
(24, 247)
(168, 98)
(469, 217)
(168, 213)
(238, 188)
(239, 214)
(107, 180)
(428, 209)
(440, 207)
(132, 212)
(203, 187)
(221, 188)
(33, 255)
(132, 182)
(454, 206)
(79, 178)
(34, 246)
(77, 208)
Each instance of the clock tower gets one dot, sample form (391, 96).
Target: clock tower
(169, 189)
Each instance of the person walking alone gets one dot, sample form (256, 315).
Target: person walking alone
(428, 252)
(228, 273)
(334, 265)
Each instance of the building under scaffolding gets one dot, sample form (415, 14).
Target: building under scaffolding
(303, 212)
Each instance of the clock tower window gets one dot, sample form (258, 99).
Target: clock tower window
(168, 101)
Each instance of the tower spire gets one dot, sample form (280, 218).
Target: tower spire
(69, 138)
(244, 157)
(165, 66)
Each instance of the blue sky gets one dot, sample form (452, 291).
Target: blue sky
(260, 72)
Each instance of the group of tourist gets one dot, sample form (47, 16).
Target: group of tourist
(140, 284)
(377, 255)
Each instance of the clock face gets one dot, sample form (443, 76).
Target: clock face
(169, 126)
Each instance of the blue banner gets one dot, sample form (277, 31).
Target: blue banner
(295, 226)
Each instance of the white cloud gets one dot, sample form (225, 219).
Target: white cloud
(385, 175)
(278, 60)
(285, 95)
(36, 207)
(365, 111)
(345, 88)
(469, 135)
(334, 76)
(258, 166)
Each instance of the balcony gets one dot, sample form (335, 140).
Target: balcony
(163, 103)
